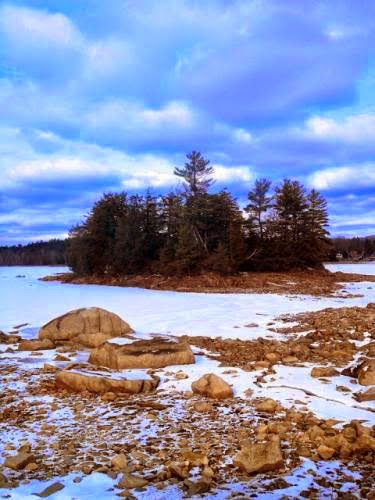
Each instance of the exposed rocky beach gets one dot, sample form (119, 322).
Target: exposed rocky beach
(125, 392)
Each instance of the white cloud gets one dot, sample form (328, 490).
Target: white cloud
(29, 26)
(354, 128)
(232, 175)
(242, 136)
(353, 177)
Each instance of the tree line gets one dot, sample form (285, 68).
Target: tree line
(353, 248)
(43, 253)
(192, 230)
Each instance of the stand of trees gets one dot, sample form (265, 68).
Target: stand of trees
(192, 230)
(50, 253)
(353, 248)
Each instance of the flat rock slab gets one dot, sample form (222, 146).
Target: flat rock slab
(89, 327)
(155, 353)
(35, 345)
(91, 381)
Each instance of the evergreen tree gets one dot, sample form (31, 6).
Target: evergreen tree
(196, 173)
(259, 204)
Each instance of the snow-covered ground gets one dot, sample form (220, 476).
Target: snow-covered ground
(367, 268)
(24, 299)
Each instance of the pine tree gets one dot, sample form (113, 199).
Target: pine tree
(196, 173)
(259, 204)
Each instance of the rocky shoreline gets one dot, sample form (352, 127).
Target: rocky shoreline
(314, 282)
(188, 428)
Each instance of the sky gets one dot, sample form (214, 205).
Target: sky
(99, 96)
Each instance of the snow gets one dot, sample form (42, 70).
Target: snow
(367, 268)
(150, 311)
(101, 486)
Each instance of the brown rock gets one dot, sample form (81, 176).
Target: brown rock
(181, 471)
(91, 382)
(325, 452)
(19, 461)
(48, 368)
(259, 457)
(35, 345)
(132, 481)
(4, 482)
(156, 353)
(89, 327)
(198, 487)
(109, 396)
(324, 371)
(290, 360)
(368, 395)
(119, 462)
(268, 406)
(202, 406)
(366, 372)
(272, 357)
(212, 386)
(50, 490)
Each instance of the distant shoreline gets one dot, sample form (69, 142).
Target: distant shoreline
(321, 283)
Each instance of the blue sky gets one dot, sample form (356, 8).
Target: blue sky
(109, 95)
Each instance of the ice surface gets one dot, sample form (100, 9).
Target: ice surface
(27, 300)
(367, 268)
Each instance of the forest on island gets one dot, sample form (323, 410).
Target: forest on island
(193, 229)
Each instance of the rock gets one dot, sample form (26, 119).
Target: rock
(109, 396)
(50, 490)
(325, 452)
(132, 481)
(181, 376)
(368, 395)
(19, 461)
(259, 457)
(198, 487)
(4, 482)
(100, 384)
(119, 462)
(3, 337)
(324, 371)
(202, 406)
(89, 327)
(212, 386)
(366, 372)
(260, 365)
(181, 471)
(35, 345)
(48, 368)
(268, 406)
(272, 357)
(156, 353)
(290, 360)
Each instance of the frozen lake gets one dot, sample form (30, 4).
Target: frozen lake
(367, 268)
(24, 299)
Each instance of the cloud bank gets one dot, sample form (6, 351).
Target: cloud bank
(100, 96)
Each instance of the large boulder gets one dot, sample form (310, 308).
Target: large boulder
(155, 353)
(91, 381)
(212, 386)
(89, 327)
(259, 457)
